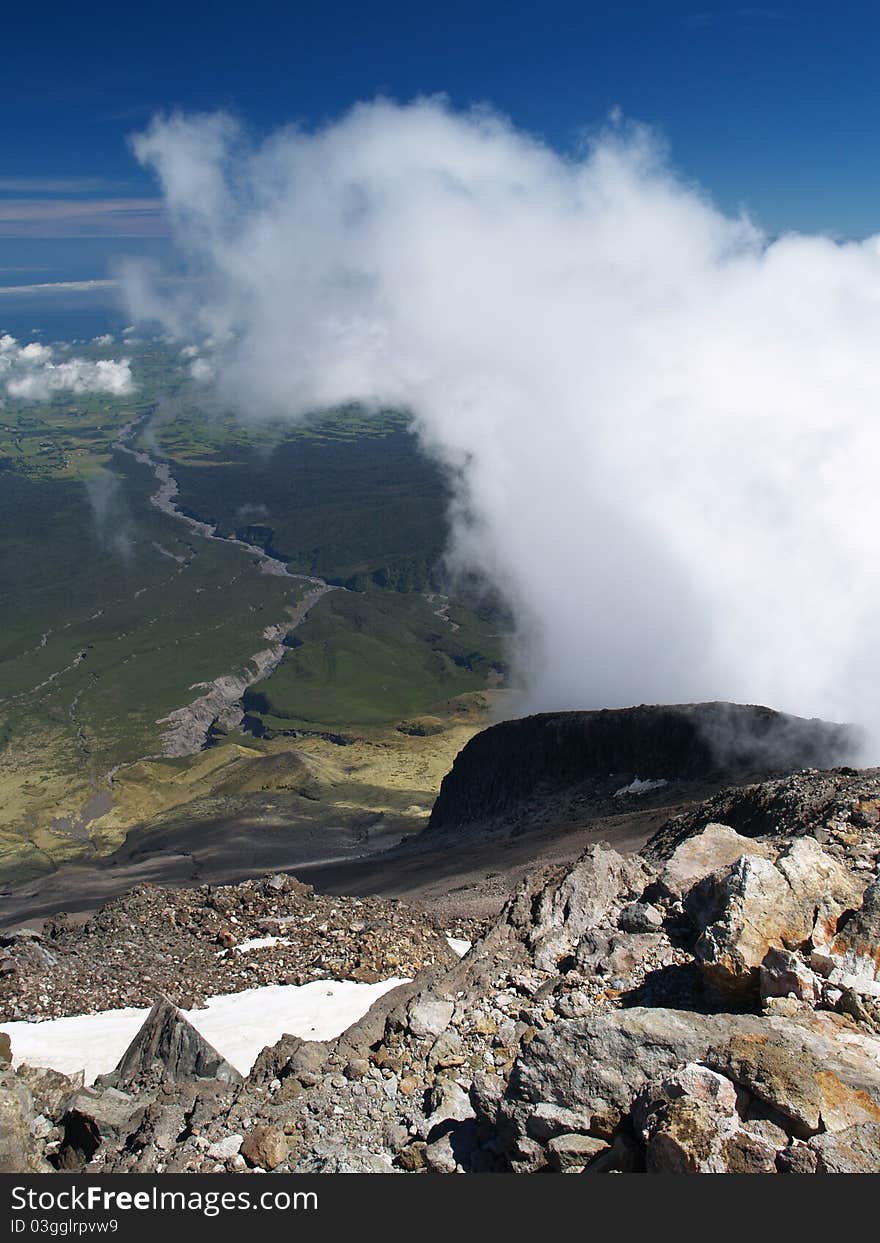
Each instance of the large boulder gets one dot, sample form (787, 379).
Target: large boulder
(755, 906)
(713, 850)
(581, 900)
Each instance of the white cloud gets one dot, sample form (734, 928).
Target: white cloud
(201, 370)
(28, 372)
(665, 424)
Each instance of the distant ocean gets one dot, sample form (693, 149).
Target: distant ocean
(61, 314)
(54, 311)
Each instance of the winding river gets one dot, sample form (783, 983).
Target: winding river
(187, 728)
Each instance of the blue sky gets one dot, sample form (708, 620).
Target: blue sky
(775, 108)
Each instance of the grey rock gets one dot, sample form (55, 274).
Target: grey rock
(226, 1148)
(783, 973)
(640, 917)
(580, 900)
(855, 1150)
(856, 948)
(713, 850)
(341, 1159)
(689, 1136)
(19, 1151)
(168, 1049)
(574, 1152)
(91, 1118)
(429, 1015)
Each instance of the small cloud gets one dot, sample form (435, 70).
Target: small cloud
(112, 520)
(29, 372)
(201, 370)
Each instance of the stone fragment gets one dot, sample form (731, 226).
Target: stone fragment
(265, 1146)
(574, 1152)
(429, 1016)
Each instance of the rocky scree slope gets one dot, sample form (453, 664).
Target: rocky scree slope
(712, 1005)
(189, 944)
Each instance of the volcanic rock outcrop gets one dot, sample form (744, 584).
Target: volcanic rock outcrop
(516, 770)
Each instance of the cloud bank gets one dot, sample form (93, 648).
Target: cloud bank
(28, 371)
(664, 424)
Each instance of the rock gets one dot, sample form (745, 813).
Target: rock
(291, 1057)
(856, 948)
(340, 1159)
(783, 973)
(768, 1131)
(357, 1068)
(447, 1050)
(815, 877)
(640, 917)
(226, 1148)
(447, 1102)
(50, 1089)
(412, 1157)
(168, 1049)
(428, 1015)
(805, 1087)
(855, 1150)
(688, 1136)
(547, 1121)
(713, 850)
(743, 913)
(19, 1152)
(812, 1071)
(265, 1146)
(796, 1158)
(747, 1153)
(693, 1080)
(453, 1149)
(92, 1117)
(160, 1126)
(574, 1152)
(5, 1050)
(580, 900)
(439, 1157)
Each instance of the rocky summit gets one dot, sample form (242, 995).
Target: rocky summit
(710, 1004)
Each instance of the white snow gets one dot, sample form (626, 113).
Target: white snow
(640, 787)
(260, 943)
(458, 945)
(238, 1025)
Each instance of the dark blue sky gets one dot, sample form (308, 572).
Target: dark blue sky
(774, 107)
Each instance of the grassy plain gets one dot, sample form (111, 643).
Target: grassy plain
(111, 613)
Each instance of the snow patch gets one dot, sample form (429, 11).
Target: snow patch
(640, 787)
(458, 945)
(260, 943)
(238, 1025)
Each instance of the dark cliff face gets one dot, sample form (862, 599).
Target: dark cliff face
(512, 764)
